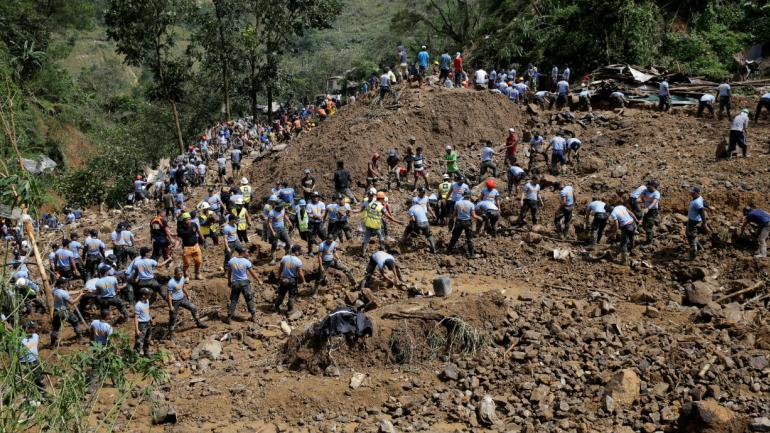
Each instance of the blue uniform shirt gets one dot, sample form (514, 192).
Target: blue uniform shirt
(290, 267)
(239, 267)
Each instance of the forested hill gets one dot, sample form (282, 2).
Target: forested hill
(86, 84)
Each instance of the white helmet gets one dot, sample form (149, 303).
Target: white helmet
(244, 181)
(239, 201)
(203, 206)
(21, 282)
(372, 191)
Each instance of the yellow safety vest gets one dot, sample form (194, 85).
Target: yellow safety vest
(208, 227)
(373, 218)
(242, 224)
(303, 222)
(246, 191)
(444, 188)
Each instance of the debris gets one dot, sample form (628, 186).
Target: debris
(286, 328)
(209, 349)
(442, 286)
(357, 379)
(486, 412)
(709, 417)
(623, 387)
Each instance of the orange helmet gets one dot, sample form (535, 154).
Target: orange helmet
(380, 195)
(490, 183)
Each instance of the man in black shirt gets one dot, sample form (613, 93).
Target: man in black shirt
(190, 235)
(161, 236)
(342, 182)
(308, 184)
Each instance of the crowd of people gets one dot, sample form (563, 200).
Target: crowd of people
(120, 273)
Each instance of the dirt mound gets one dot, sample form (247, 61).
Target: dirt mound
(435, 117)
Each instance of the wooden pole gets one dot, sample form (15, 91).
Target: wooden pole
(31, 235)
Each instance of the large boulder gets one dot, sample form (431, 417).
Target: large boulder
(708, 416)
(699, 293)
(442, 286)
(210, 349)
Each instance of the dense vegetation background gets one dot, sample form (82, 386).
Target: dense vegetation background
(98, 85)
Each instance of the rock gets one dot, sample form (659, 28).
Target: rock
(450, 372)
(760, 424)
(163, 413)
(732, 314)
(448, 262)
(210, 349)
(442, 286)
(651, 312)
(708, 416)
(618, 171)
(332, 371)
(623, 387)
(486, 412)
(758, 363)
(699, 293)
(286, 328)
(561, 254)
(371, 300)
(642, 297)
(609, 404)
(533, 238)
(590, 165)
(357, 380)
(540, 393)
(540, 229)
(386, 426)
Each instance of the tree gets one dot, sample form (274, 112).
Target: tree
(457, 20)
(144, 32)
(266, 39)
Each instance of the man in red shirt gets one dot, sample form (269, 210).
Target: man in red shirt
(511, 146)
(459, 73)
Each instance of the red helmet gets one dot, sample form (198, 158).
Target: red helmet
(402, 171)
(490, 183)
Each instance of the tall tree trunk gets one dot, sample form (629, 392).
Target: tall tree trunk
(269, 102)
(223, 59)
(253, 87)
(178, 128)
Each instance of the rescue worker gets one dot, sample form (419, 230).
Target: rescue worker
(598, 210)
(291, 275)
(246, 191)
(161, 236)
(515, 175)
(379, 261)
(142, 323)
(62, 302)
(530, 198)
(563, 218)
(143, 272)
(316, 211)
(760, 221)
(179, 297)
(651, 204)
(307, 183)
(276, 224)
(107, 290)
(696, 221)
(374, 212)
(64, 261)
(558, 146)
(625, 221)
(328, 259)
(190, 235)
(489, 213)
(243, 220)
(444, 190)
(341, 227)
(237, 273)
(419, 224)
(93, 253)
(209, 222)
(458, 190)
(464, 214)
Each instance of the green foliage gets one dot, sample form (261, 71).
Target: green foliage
(66, 400)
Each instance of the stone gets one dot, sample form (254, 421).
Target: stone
(652, 312)
(590, 165)
(442, 286)
(357, 379)
(699, 293)
(623, 387)
(618, 171)
(760, 424)
(386, 426)
(707, 416)
(286, 328)
(758, 363)
(450, 372)
(163, 413)
(642, 297)
(486, 412)
(540, 393)
(210, 349)
(332, 371)
(533, 238)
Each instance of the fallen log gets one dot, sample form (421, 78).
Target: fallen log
(753, 287)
